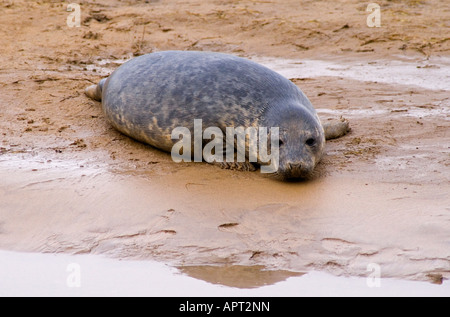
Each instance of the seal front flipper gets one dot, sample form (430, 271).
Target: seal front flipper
(237, 166)
(95, 91)
(336, 128)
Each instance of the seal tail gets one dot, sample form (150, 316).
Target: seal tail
(95, 91)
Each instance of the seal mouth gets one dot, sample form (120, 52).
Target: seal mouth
(294, 173)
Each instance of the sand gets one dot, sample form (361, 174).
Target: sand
(69, 183)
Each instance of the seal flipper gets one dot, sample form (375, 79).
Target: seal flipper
(336, 128)
(95, 91)
(237, 166)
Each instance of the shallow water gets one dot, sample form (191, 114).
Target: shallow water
(443, 111)
(431, 74)
(33, 274)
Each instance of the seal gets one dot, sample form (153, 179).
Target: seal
(150, 95)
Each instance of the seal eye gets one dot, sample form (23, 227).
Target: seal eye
(310, 142)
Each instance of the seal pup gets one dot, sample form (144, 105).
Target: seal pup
(150, 95)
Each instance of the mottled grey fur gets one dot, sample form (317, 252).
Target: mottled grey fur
(147, 97)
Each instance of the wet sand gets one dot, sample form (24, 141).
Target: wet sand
(72, 184)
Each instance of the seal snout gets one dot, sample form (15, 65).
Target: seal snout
(296, 170)
(294, 166)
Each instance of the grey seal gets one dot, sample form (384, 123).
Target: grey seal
(150, 95)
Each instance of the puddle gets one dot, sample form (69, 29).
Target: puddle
(239, 276)
(31, 274)
(442, 111)
(433, 74)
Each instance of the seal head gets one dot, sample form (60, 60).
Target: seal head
(301, 142)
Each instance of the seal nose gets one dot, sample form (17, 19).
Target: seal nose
(295, 166)
(298, 169)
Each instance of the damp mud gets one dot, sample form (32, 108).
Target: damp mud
(197, 215)
(70, 183)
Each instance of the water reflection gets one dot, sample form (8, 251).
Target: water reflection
(239, 276)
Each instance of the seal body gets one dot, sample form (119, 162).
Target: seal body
(148, 96)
